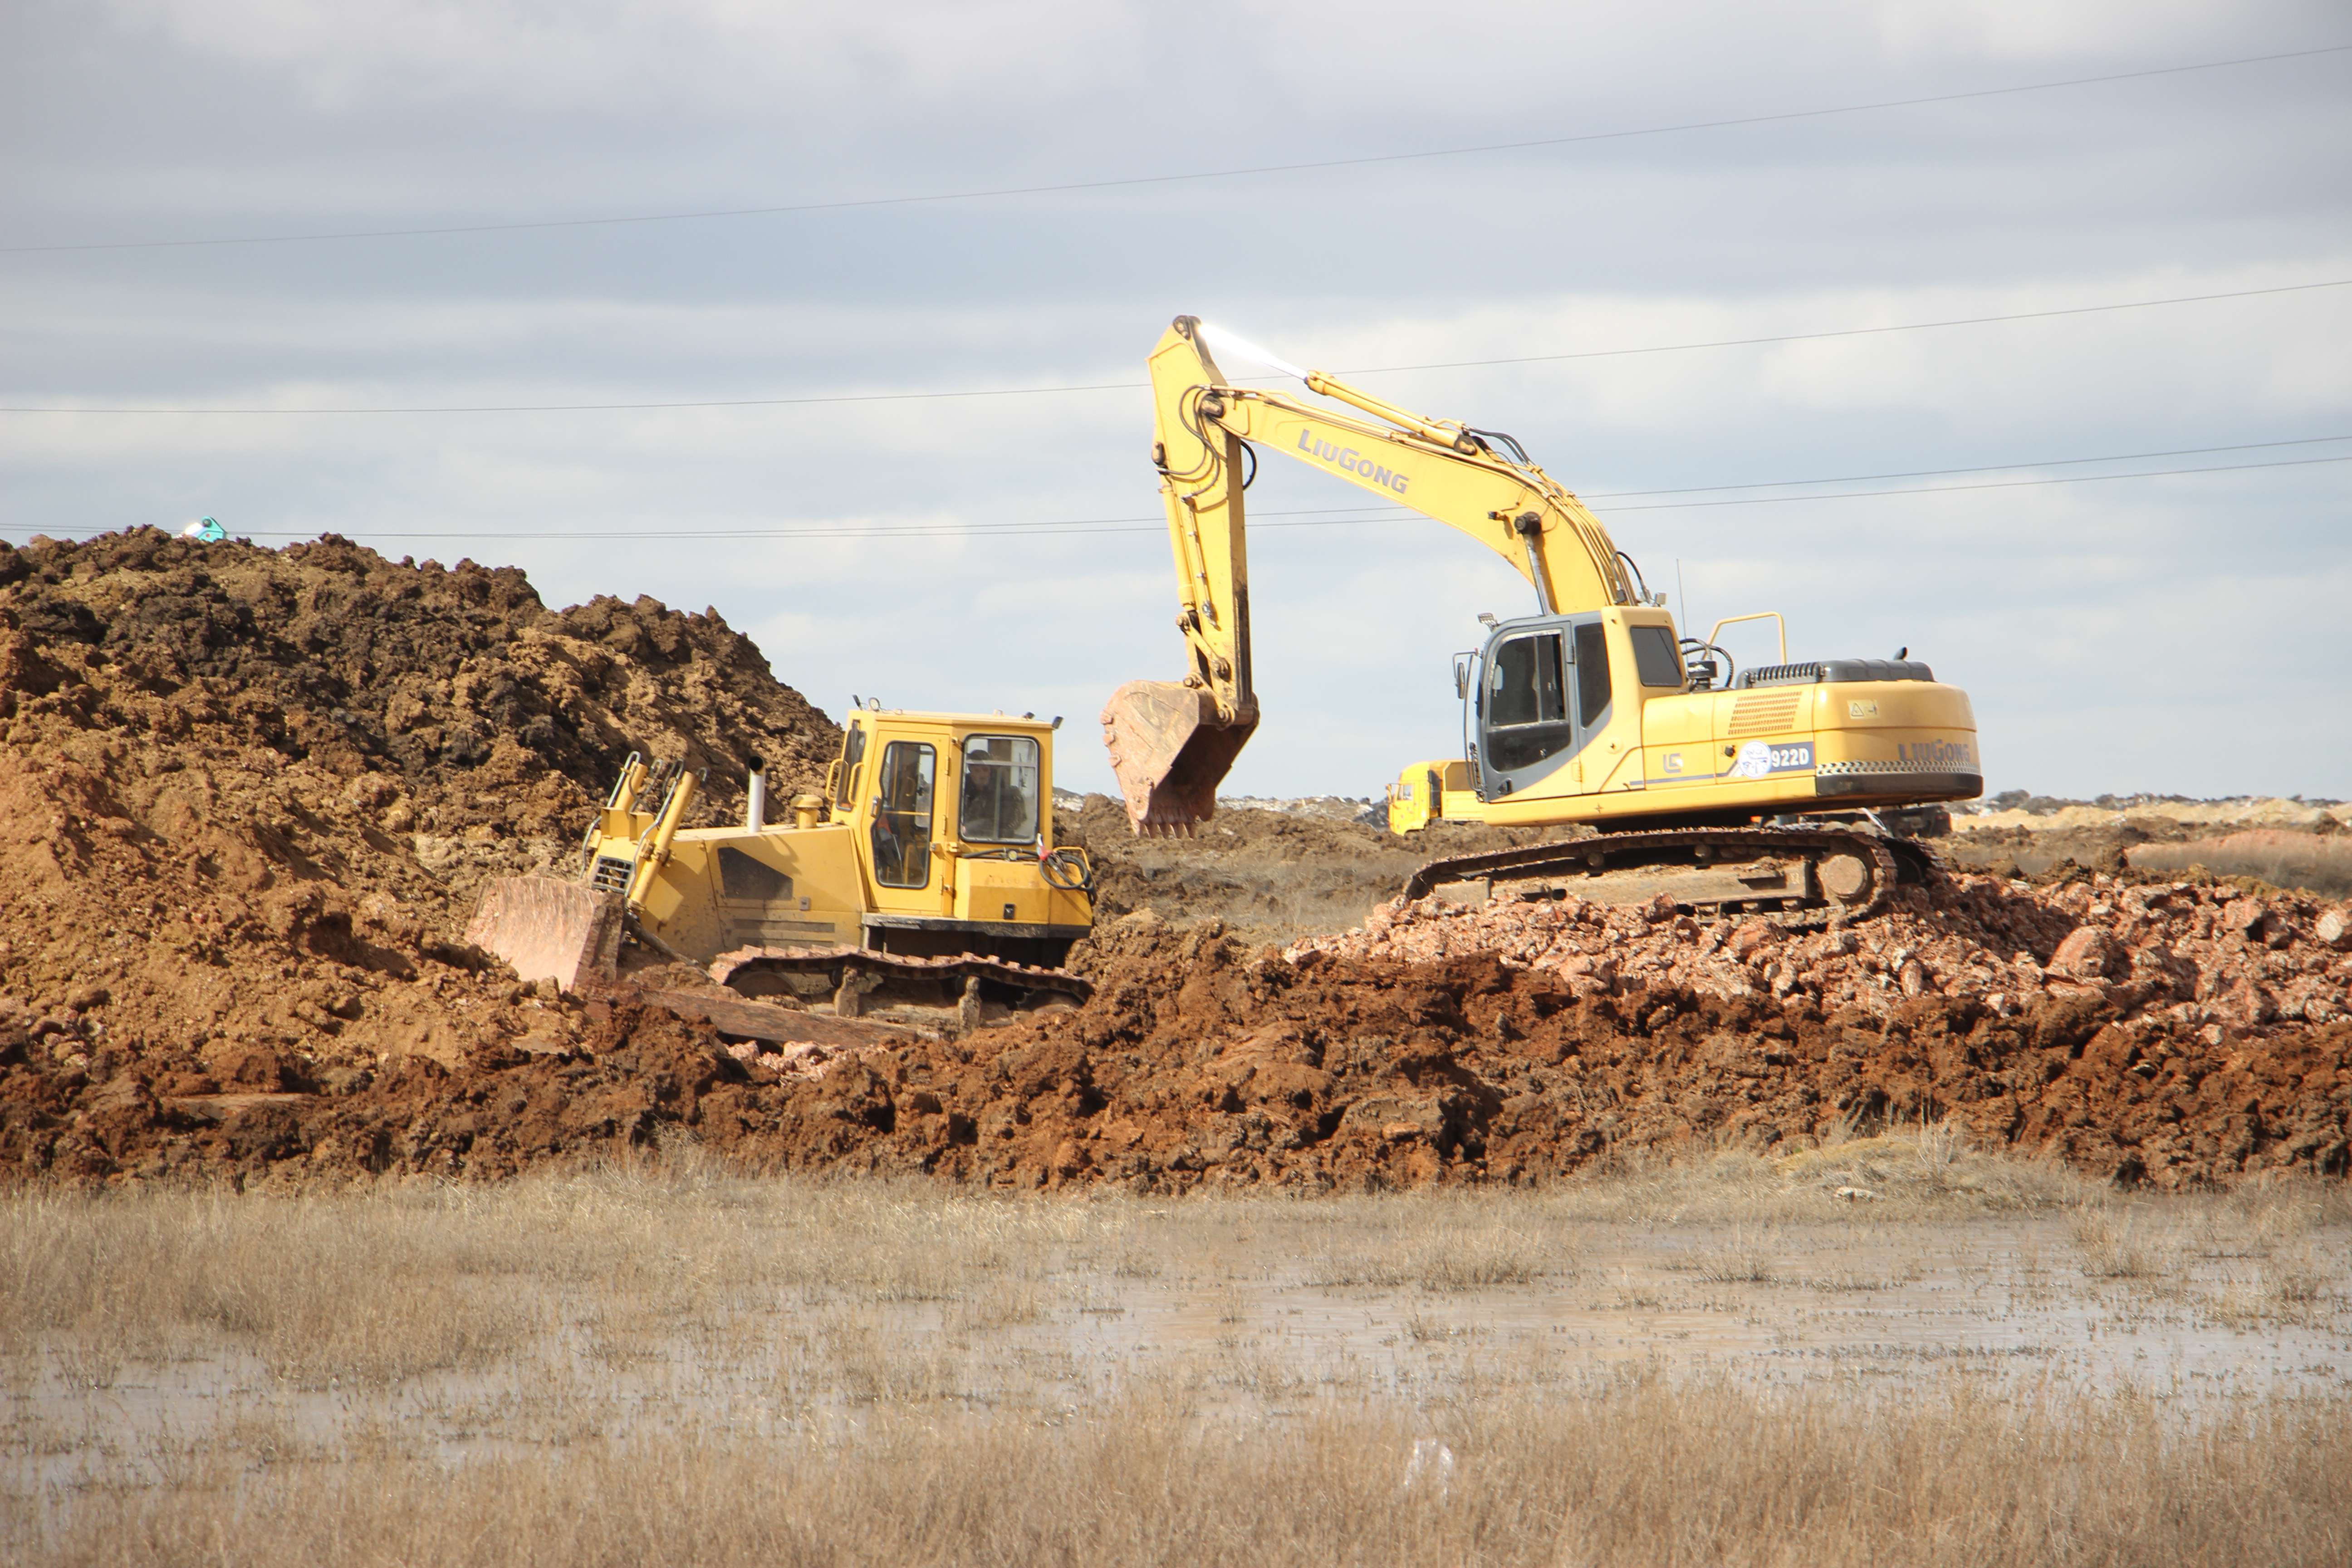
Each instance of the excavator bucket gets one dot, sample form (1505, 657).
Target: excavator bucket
(565, 931)
(1170, 751)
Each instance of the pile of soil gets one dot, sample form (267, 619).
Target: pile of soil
(1203, 1061)
(2203, 955)
(247, 795)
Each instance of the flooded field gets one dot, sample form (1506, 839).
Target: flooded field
(178, 1359)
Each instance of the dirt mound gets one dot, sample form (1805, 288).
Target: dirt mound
(1202, 1060)
(327, 653)
(246, 795)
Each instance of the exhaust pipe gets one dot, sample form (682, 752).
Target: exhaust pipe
(755, 796)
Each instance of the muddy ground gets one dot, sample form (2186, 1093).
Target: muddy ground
(1268, 875)
(246, 797)
(2317, 859)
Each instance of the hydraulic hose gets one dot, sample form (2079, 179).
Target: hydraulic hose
(1057, 868)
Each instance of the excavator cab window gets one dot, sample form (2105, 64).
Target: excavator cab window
(1591, 673)
(902, 814)
(1000, 790)
(853, 751)
(1526, 709)
(1654, 656)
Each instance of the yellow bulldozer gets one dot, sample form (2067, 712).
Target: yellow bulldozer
(924, 880)
(1775, 791)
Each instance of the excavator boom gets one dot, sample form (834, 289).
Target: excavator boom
(1172, 743)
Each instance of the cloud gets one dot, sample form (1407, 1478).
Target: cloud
(2098, 625)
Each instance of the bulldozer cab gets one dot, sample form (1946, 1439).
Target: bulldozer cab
(937, 799)
(899, 829)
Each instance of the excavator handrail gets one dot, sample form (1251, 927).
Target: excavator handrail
(1773, 615)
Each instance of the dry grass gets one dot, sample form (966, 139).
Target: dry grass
(667, 1363)
(148, 1279)
(1745, 1256)
(1642, 1473)
(1459, 1242)
(2120, 1245)
(2310, 862)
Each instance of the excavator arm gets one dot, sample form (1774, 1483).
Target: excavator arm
(1172, 743)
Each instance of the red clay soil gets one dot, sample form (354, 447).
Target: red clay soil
(1203, 1061)
(244, 797)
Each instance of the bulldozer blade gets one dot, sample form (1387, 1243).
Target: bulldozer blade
(1170, 749)
(564, 932)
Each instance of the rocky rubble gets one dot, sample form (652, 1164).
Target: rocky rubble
(2208, 956)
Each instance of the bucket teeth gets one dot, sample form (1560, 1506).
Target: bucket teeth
(1170, 748)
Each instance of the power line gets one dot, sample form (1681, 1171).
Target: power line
(1140, 385)
(1193, 175)
(1993, 485)
(1980, 468)
(621, 407)
(1079, 526)
(1867, 331)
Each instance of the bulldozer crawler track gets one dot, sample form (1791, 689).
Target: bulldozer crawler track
(891, 965)
(1891, 861)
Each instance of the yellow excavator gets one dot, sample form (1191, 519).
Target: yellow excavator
(1764, 791)
(924, 881)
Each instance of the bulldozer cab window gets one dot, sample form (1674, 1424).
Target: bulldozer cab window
(1654, 656)
(1527, 708)
(1000, 790)
(1591, 672)
(853, 751)
(902, 814)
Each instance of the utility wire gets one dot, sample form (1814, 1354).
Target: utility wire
(1193, 175)
(1863, 332)
(1146, 525)
(1991, 485)
(1140, 385)
(1980, 468)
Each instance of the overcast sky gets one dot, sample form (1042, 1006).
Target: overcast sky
(2186, 633)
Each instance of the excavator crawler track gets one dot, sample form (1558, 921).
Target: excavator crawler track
(1799, 877)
